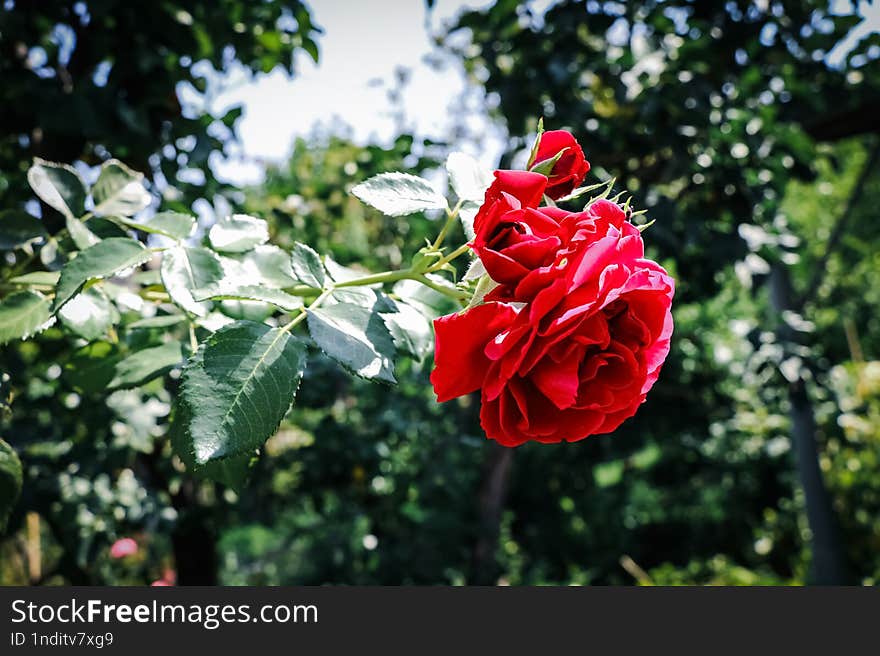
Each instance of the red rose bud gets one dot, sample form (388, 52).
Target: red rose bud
(580, 357)
(562, 156)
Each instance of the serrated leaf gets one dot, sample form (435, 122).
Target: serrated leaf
(18, 228)
(80, 234)
(224, 292)
(238, 233)
(41, 278)
(89, 314)
(59, 186)
(397, 194)
(410, 330)
(468, 178)
(119, 190)
(340, 273)
(143, 366)
(238, 386)
(307, 266)
(265, 265)
(175, 225)
(91, 368)
(232, 471)
(356, 337)
(429, 302)
(10, 482)
(161, 321)
(185, 269)
(102, 260)
(23, 314)
(247, 310)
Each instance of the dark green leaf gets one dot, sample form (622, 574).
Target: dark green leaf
(80, 234)
(143, 366)
(307, 267)
(10, 482)
(102, 260)
(119, 190)
(219, 292)
(59, 186)
(185, 269)
(238, 386)
(356, 337)
(92, 367)
(89, 314)
(170, 224)
(23, 314)
(238, 233)
(397, 194)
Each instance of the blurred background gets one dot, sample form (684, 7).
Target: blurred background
(750, 131)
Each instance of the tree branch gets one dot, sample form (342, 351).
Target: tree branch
(839, 228)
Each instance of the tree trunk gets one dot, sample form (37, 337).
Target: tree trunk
(828, 564)
(484, 567)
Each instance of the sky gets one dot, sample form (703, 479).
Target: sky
(359, 53)
(362, 46)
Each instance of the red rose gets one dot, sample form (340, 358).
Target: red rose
(580, 357)
(526, 250)
(571, 168)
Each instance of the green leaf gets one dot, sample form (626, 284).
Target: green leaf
(232, 471)
(89, 314)
(119, 190)
(59, 186)
(10, 482)
(397, 194)
(467, 177)
(81, 235)
(307, 267)
(91, 368)
(467, 213)
(237, 387)
(185, 269)
(264, 265)
(410, 330)
(18, 228)
(102, 260)
(356, 337)
(176, 225)
(143, 366)
(226, 292)
(161, 321)
(428, 301)
(238, 233)
(23, 314)
(41, 278)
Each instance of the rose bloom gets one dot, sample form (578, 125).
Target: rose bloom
(522, 247)
(571, 168)
(579, 358)
(123, 547)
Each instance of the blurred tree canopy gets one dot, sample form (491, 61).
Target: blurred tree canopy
(89, 80)
(725, 120)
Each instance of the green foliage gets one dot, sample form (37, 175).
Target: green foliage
(238, 388)
(356, 337)
(10, 481)
(399, 194)
(22, 314)
(104, 259)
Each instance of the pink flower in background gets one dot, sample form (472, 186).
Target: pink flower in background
(123, 547)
